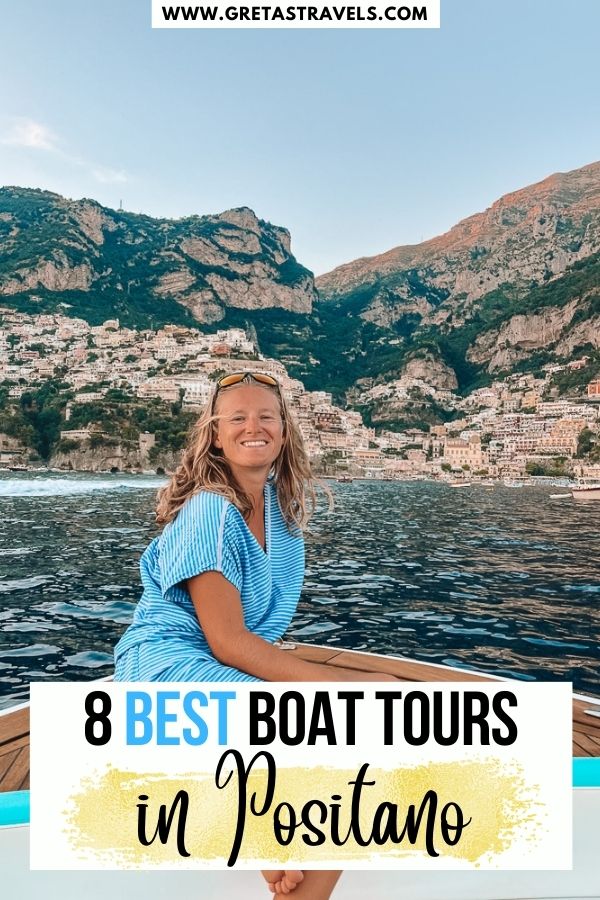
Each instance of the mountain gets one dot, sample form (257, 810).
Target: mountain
(99, 263)
(512, 287)
(527, 236)
(505, 290)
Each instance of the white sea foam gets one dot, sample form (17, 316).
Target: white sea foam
(61, 487)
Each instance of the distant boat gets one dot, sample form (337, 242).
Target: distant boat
(458, 484)
(508, 482)
(586, 492)
(487, 483)
(560, 496)
(345, 479)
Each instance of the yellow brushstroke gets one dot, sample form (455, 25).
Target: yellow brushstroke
(102, 817)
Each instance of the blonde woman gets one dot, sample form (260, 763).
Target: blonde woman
(222, 581)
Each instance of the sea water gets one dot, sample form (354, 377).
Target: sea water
(491, 579)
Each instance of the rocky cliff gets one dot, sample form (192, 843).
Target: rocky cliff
(509, 287)
(531, 235)
(101, 263)
(118, 458)
(512, 287)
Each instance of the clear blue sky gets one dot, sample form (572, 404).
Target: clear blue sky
(357, 141)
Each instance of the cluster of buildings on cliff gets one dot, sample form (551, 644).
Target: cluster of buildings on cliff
(502, 427)
(503, 430)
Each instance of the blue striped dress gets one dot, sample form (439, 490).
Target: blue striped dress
(165, 641)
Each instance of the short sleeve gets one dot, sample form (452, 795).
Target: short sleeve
(198, 540)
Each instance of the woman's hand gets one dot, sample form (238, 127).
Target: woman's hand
(218, 606)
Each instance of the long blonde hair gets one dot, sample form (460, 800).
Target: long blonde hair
(203, 467)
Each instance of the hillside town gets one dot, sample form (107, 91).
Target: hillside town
(514, 427)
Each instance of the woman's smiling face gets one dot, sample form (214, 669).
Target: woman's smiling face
(249, 430)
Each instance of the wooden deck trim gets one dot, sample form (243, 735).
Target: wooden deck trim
(584, 722)
(6, 761)
(21, 741)
(411, 670)
(14, 723)
(588, 746)
(14, 749)
(15, 777)
(437, 669)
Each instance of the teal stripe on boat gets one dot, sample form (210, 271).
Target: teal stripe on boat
(14, 808)
(586, 772)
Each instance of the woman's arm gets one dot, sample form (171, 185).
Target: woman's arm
(219, 609)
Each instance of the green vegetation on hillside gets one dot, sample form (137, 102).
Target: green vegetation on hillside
(127, 418)
(35, 419)
(575, 381)
(588, 446)
(138, 309)
(126, 266)
(347, 348)
(557, 467)
(331, 349)
(38, 416)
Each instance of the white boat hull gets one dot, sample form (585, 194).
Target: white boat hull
(583, 881)
(586, 493)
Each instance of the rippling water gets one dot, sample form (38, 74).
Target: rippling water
(497, 579)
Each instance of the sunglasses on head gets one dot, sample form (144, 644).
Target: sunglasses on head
(237, 377)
